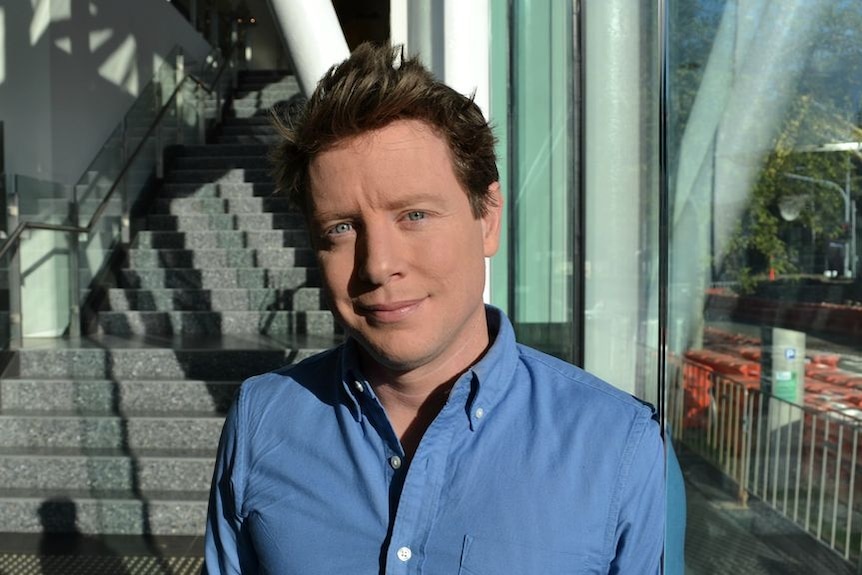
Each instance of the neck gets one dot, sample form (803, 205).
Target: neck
(412, 398)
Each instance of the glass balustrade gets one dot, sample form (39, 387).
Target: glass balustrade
(58, 267)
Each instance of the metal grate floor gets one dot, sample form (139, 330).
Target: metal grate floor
(27, 564)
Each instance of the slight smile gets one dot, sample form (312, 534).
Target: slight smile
(388, 312)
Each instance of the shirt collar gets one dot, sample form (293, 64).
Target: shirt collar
(354, 383)
(495, 371)
(490, 377)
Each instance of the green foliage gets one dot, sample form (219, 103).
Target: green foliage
(760, 243)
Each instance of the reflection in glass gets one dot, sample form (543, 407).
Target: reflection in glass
(765, 378)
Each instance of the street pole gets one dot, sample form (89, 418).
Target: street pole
(845, 195)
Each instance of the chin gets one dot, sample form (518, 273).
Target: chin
(398, 356)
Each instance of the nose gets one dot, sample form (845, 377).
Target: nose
(377, 255)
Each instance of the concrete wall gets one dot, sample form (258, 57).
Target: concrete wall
(70, 69)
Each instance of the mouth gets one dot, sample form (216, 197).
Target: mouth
(389, 312)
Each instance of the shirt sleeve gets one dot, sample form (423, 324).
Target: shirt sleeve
(641, 519)
(227, 546)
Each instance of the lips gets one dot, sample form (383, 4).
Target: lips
(389, 312)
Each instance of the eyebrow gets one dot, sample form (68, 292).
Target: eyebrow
(397, 204)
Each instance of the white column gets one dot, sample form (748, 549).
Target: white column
(313, 35)
(613, 120)
(424, 37)
(399, 17)
(466, 59)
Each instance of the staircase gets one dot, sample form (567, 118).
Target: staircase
(116, 433)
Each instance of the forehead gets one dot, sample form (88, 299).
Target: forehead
(405, 154)
(397, 138)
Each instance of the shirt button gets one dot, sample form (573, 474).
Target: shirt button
(357, 385)
(480, 413)
(395, 462)
(405, 554)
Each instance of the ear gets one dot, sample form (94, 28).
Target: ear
(492, 220)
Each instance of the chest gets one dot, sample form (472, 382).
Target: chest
(472, 501)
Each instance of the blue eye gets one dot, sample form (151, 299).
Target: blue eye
(341, 228)
(416, 216)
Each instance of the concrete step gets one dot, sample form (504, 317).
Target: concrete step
(227, 240)
(248, 112)
(217, 358)
(112, 396)
(189, 278)
(249, 139)
(71, 430)
(263, 74)
(266, 95)
(252, 121)
(104, 470)
(222, 162)
(260, 89)
(187, 323)
(225, 222)
(192, 206)
(108, 512)
(249, 130)
(223, 190)
(301, 299)
(221, 258)
(233, 175)
(216, 150)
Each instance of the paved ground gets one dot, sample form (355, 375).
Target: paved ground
(28, 554)
(724, 538)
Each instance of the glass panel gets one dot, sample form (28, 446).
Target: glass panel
(44, 257)
(189, 112)
(127, 139)
(5, 329)
(541, 170)
(765, 314)
(5, 303)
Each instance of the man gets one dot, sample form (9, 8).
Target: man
(429, 442)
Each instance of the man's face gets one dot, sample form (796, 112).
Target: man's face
(401, 253)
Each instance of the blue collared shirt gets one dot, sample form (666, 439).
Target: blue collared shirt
(533, 466)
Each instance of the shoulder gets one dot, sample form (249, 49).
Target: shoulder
(313, 377)
(582, 393)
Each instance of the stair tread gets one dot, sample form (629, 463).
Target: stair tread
(106, 495)
(108, 453)
(136, 381)
(136, 415)
(202, 343)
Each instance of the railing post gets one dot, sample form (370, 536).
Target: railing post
(201, 113)
(15, 332)
(74, 273)
(179, 72)
(234, 41)
(160, 163)
(125, 232)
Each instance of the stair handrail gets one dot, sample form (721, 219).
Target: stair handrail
(103, 205)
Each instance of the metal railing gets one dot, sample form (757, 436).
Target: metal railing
(174, 102)
(801, 461)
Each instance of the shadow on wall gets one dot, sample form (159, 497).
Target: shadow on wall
(69, 71)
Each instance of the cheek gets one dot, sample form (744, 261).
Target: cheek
(461, 263)
(335, 270)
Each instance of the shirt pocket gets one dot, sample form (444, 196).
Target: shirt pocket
(482, 556)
